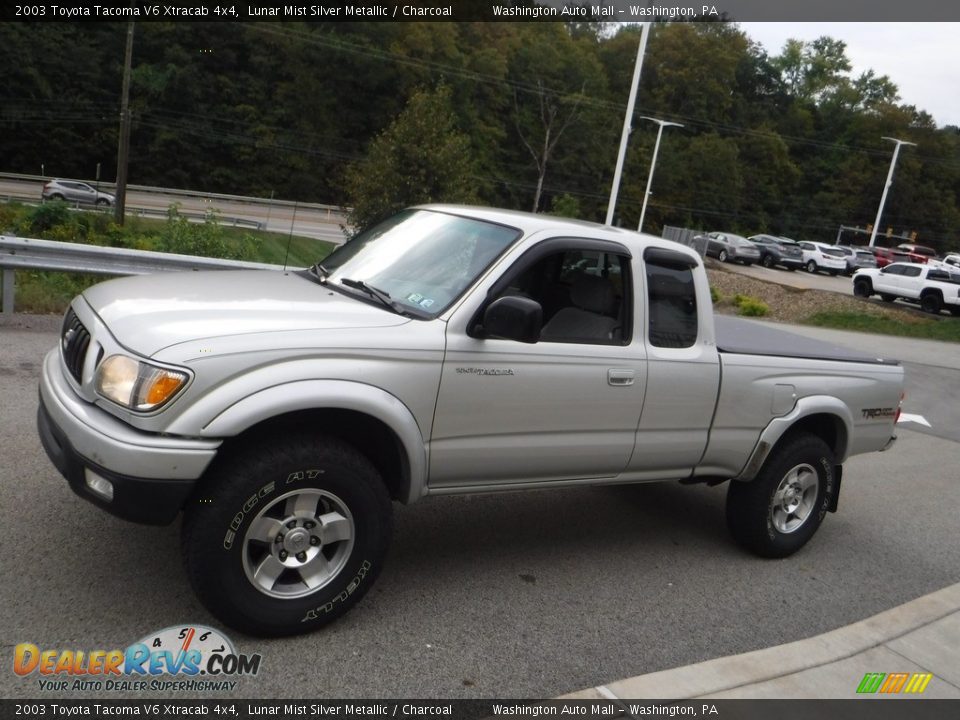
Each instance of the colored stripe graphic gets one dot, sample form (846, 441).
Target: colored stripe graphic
(893, 683)
(871, 682)
(918, 683)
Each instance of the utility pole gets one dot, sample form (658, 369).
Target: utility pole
(123, 151)
(653, 164)
(883, 198)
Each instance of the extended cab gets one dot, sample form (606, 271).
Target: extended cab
(448, 350)
(935, 288)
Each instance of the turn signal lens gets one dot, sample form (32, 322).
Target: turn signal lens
(135, 384)
(159, 387)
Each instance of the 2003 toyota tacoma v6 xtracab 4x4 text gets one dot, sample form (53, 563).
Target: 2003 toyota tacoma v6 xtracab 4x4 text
(448, 350)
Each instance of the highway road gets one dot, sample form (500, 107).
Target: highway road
(279, 217)
(519, 595)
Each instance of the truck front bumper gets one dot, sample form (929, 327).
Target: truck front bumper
(142, 477)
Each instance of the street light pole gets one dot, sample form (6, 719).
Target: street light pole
(883, 198)
(627, 121)
(653, 164)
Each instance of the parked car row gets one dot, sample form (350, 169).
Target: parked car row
(775, 251)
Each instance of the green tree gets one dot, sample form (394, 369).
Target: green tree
(421, 157)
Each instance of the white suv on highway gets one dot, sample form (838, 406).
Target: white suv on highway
(820, 256)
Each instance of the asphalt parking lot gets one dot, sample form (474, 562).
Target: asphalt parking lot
(520, 595)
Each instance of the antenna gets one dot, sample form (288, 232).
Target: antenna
(290, 236)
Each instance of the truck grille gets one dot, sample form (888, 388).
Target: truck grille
(74, 341)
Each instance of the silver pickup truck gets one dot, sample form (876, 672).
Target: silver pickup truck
(448, 350)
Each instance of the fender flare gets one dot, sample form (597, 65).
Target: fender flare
(297, 395)
(778, 427)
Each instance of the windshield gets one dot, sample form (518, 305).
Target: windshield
(423, 260)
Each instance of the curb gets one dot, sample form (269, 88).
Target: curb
(736, 671)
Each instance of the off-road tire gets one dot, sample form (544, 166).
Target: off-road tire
(931, 302)
(259, 483)
(862, 288)
(755, 509)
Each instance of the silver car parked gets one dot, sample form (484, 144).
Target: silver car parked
(75, 191)
(727, 247)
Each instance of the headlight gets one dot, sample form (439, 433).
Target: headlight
(135, 384)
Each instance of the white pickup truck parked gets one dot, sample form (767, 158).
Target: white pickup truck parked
(449, 350)
(935, 288)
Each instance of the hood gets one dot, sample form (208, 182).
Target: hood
(150, 312)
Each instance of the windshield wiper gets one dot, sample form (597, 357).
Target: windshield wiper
(374, 292)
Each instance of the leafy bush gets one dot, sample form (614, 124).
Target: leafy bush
(205, 239)
(750, 306)
(45, 217)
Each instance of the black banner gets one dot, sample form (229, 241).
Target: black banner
(876, 709)
(485, 10)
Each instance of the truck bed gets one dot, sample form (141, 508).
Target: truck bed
(736, 335)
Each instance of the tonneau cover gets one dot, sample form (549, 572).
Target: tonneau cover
(735, 335)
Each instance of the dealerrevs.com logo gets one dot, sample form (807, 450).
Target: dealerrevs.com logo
(181, 658)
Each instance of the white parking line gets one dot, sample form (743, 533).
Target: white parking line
(910, 417)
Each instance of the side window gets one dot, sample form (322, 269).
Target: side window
(894, 269)
(584, 295)
(673, 306)
(911, 271)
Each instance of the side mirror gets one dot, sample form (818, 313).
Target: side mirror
(513, 318)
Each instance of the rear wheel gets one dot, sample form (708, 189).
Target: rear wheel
(776, 513)
(286, 536)
(931, 303)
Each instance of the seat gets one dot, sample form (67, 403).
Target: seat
(590, 317)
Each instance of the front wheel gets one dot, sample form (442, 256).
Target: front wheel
(776, 513)
(722, 256)
(811, 267)
(861, 288)
(767, 261)
(286, 536)
(103, 202)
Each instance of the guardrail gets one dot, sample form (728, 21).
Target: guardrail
(32, 254)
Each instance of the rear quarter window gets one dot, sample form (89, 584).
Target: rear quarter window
(672, 306)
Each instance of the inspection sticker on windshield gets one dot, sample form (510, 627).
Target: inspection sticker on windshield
(418, 299)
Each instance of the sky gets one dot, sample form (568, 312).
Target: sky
(922, 59)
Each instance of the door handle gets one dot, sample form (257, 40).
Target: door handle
(620, 377)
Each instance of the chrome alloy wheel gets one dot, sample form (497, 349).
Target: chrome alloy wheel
(795, 498)
(298, 543)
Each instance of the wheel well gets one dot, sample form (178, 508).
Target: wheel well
(828, 428)
(931, 291)
(373, 438)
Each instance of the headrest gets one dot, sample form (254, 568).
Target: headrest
(593, 294)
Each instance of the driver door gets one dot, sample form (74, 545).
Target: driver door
(564, 408)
